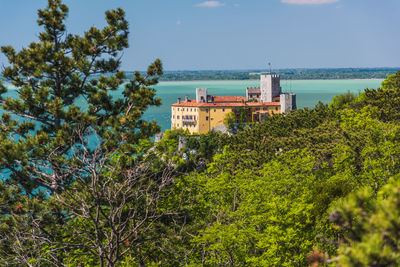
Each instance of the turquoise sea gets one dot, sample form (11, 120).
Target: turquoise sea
(309, 92)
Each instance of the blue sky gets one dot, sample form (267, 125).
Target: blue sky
(232, 34)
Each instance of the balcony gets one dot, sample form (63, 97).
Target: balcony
(189, 120)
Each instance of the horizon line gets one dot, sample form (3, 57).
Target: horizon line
(258, 69)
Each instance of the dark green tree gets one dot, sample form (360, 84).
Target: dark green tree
(70, 148)
(386, 99)
(65, 83)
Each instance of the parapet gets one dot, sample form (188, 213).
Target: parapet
(270, 75)
(253, 90)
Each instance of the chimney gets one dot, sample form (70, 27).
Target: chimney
(179, 100)
(187, 98)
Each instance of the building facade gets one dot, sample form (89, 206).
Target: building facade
(208, 112)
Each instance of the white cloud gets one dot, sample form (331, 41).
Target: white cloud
(178, 22)
(210, 4)
(309, 2)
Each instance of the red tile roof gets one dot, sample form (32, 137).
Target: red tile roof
(229, 98)
(256, 104)
(193, 103)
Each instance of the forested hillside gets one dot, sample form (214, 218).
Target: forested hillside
(316, 185)
(87, 186)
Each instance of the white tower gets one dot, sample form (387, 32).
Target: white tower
(270, 86)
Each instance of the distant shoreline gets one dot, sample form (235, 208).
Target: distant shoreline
(255, 80)
(250, 80)
(285, 74)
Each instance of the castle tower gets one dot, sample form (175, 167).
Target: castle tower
(288, 102)
(270, 86)
(201, 95)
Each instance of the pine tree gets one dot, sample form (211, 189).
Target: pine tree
(75, 188)
(45, 125)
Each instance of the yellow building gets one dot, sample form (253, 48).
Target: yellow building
(208, 112)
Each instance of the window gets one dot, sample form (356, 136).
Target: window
(276, 108)
(173, 116)
(257, 108)
(207, 118)
(265, 109)
(178, 109)
(190, 109)
(177, 125)
(223, 110)
(177, 117)
(206, 109)
(215, 110)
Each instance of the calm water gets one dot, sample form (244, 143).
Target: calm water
(309, 92)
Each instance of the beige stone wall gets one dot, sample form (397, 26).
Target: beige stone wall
(177, 121)
(211, 117)
(207, 118)
(204, 123)
(259, 113)
(217, 116)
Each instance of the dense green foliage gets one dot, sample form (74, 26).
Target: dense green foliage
(269, 194)
(87, 186)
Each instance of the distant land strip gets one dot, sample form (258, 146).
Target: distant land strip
(286, 74)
